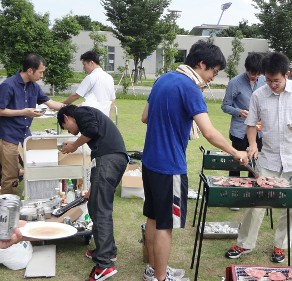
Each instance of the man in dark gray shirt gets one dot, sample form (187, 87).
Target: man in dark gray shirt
(108, 163)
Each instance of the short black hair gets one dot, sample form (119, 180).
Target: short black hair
(91, 56)
(208, 53)
(274, 63)
(68, 110)
(33, 61)
(253, 63)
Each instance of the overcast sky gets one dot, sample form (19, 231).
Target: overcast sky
(193, 12)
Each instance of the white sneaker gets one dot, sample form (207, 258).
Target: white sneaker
(171, 278)
(174, 273)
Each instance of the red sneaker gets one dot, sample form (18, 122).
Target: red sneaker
(102, 274)
(278, 255)
(235, 252)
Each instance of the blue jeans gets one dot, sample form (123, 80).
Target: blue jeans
(104, 179)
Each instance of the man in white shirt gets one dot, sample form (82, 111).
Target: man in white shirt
(272, 104)
(97, 87)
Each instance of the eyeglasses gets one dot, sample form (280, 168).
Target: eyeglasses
(275, 82)
(215, 72)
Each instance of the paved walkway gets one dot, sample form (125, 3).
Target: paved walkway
(216, 94)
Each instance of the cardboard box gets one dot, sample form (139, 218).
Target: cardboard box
(132, 185)
(44, 152)
(73, 159)
(42, 157)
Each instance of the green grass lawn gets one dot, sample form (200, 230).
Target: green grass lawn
(71, 262)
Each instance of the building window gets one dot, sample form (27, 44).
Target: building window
(109, 62)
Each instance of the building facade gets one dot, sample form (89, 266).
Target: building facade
(116, 57)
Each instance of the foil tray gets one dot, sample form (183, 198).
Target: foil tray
(221, 230)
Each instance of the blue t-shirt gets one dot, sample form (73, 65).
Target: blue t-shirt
(173, 101)
(15, 94)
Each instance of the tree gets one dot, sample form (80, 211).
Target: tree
(85, 22)
(98, 40)
(23, 31)
(248, 31)
(169, 32)
(103, 27)
(137, 25)
(233, 59)
(182, 31)
(276, 22)
(59, 53)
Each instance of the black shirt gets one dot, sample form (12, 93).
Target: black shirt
(104, 134)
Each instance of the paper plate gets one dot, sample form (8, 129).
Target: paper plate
(47, 230)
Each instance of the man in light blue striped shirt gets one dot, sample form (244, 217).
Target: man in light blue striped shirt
(236, 102)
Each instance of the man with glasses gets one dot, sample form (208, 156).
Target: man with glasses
(236, 103)
(174, 102)
(272, 103)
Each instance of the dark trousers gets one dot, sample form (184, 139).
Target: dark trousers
(104, 179)
(242, 145)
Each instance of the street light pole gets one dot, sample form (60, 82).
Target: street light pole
(224, 7)
(174, 14)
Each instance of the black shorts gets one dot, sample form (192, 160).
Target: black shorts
(165, 198)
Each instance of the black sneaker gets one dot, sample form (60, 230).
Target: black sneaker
(278, 255)
(235, 252)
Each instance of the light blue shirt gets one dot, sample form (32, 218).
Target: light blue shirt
(237, 97)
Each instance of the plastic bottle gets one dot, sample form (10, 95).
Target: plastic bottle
(70, 194)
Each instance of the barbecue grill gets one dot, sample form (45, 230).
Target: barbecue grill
(216, 160)
(219, 160)
(245, 197)
(237, 272)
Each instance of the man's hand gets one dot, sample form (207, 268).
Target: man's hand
(15, 238)
(243, 113)
(252, 152)
(68, 147)
(31, 112)
(87, 194)
(241, 156)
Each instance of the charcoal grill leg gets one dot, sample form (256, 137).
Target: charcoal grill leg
(288, 234)
(197, 202)
(198, 226)
(201, 240)
(271, 218)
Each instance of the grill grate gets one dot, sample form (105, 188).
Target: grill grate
(239, 273)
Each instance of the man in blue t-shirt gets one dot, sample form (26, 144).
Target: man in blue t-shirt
(176, 100)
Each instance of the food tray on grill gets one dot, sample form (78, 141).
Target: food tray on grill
(221, 230)
(246, 197)
(239, 272)
(220, 160)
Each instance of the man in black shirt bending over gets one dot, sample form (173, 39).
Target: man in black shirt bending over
(108, 163)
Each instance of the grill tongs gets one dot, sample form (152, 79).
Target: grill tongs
(251, 168)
